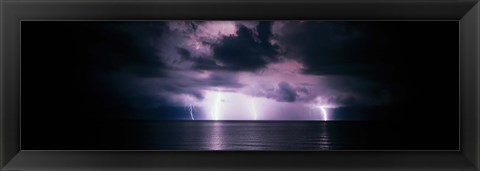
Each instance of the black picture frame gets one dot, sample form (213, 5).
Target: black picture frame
(467, 12)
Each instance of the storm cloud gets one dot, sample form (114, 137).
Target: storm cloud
(180, 58)
(281, 64)
(286, 92)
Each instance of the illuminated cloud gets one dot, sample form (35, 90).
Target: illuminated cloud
(244, 69)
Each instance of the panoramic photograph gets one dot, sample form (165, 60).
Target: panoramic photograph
(240, 85)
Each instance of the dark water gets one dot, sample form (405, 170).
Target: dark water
(249, 135)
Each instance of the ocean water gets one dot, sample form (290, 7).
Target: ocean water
(245, 135)
(278, 135)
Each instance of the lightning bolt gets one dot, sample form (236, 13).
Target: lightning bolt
(190, 108)
(254, 112)
(324, 112)
(191, 111)
(216, 109)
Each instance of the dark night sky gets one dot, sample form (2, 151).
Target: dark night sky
(241, 70)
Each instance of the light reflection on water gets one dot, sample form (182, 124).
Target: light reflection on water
(324, 139)
(262, 136)
(216, 137)
(250, 135)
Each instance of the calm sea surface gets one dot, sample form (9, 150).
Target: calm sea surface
(272, 135)
(243, 135)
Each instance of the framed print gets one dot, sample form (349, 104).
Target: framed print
(179, 85)
(245, 85)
